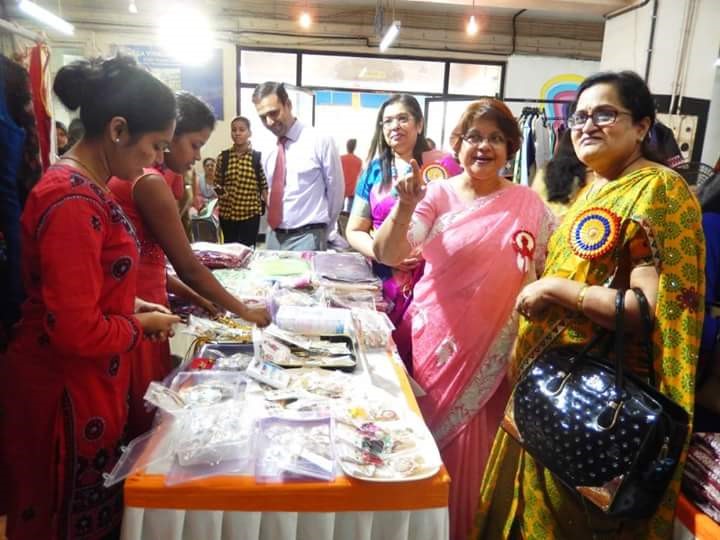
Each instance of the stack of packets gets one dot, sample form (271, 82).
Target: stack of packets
(348, 280)
(701, 477)
(222, 255)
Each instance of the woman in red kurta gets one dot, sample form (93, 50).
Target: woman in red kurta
(64, 380)
(151, 206)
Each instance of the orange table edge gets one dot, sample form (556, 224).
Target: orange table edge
(696, 521)
(243, 493)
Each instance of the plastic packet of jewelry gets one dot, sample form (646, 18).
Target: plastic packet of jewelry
(280, 296)
(324, 383)
(344, 267)
(294, 449)
(268, 373)
(231, 255)
(328, 345)
(368, 411)
(218, 330)
(374, 327)
(207, 388)
(236, 362)
(350, 299)
(164, 398)
(142, 452)
(212, 441)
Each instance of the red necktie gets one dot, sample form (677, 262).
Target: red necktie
(277, 189)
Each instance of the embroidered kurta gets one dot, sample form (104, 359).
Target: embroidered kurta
(64, 380)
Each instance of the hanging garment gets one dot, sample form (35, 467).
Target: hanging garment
(39, 64)
(12, 138)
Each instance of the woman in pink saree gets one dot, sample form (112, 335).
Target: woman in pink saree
(482, 238)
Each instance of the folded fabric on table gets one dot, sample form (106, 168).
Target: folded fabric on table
(701, 477)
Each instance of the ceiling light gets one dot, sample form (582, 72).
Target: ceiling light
(472, 26)
(305, 20)
(132, 8)
(390, 35)
(180, 22)
(46, 17)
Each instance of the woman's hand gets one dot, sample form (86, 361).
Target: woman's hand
(411, 188)
(258, 315)
(533, 300)
(141, 306)
(156, 325)
(409, 264)
(208, 306)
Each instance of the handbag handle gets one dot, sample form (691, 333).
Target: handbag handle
(647, 331)
(619, 341)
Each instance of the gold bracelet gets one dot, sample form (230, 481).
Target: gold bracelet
(581, 298)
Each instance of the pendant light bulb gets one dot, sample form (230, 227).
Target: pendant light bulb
(132, 8)
(305, 20)
(472, 26)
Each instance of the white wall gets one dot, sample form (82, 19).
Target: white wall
(711, 148)
(626, 40)
(526, 75)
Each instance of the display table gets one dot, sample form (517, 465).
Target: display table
(236, 507)
(691, 523)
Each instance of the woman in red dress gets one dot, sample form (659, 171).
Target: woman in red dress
(65, 377)
(151, 206)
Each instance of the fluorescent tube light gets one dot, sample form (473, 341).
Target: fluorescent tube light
(46, 17)
(390, 35)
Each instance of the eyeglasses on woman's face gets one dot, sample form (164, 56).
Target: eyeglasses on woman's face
(474, 138)
(600, 117)
(402, 119)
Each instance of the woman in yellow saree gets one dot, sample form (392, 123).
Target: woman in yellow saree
(636, 225)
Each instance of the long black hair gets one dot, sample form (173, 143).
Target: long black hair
(378, 146)
(564, 173)
(103, 89)
(635, 96)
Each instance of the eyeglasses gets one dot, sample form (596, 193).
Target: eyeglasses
(599, 117)
(475, 139)
(402, 119)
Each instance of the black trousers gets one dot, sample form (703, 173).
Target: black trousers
(244, 231)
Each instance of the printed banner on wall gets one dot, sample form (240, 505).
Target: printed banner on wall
(204, 81)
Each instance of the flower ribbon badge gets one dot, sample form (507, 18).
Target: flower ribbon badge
(523, 243)
(594, 233)
(434, 171)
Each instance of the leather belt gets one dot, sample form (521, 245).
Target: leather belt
(305, 228)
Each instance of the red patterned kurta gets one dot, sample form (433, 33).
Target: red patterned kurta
(150, 361)
(64, 381)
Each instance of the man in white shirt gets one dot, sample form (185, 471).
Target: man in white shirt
(305, 174)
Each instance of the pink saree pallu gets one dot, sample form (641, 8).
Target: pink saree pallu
(478, 257)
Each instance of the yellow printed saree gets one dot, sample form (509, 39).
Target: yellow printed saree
(660, 217)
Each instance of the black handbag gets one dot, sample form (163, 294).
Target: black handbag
(606, 434)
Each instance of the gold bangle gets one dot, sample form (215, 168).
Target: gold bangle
(581, 298)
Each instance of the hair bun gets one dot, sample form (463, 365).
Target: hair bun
(71, 83)
(80, 79)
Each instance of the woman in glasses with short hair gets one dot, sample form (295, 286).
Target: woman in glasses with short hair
(482, 238)
(635, 225)
(399, 138)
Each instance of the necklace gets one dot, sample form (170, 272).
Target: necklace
(92, 176)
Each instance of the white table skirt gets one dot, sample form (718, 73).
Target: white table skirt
(159, 524)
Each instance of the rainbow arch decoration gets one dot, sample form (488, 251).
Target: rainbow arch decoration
(561, 87)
